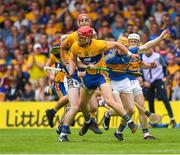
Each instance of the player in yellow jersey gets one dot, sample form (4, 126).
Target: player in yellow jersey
(57, 87)
(73, 93)
(91, 51)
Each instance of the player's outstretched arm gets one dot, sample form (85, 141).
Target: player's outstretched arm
(122, 48)
(164, 35)
(64, 46)
(148, 65)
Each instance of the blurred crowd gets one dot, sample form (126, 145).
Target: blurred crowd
(28, 29)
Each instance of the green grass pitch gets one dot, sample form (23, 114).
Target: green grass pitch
(45, 141)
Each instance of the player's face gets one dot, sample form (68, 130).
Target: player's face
(83, 41)
(133, 43)
(84, 21)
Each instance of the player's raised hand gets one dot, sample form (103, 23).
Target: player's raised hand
(165, 34)
(153, 64)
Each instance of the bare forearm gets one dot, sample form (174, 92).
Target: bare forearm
(145, 65)
(80, 64)
(150, 44)
(72, 66)
(122, 48)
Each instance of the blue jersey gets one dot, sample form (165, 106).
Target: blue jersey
(133, 64)
(123, 62)
(116, 62)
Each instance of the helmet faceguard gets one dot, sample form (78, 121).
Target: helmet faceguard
(133, 39)
(83, 20)
(85, 34)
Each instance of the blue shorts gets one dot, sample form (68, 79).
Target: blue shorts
(91, 81)
(2, 90)
(59, 89)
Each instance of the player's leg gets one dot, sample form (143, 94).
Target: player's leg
(63, 100)
(139, 99)
(111, 112)
(73, 96)
(118, 107)
(127, 99)
(93, 106)
(85, 98)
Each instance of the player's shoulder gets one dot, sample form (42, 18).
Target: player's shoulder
(73, 34)
(99, 42)
(134, 50)
(75, 45)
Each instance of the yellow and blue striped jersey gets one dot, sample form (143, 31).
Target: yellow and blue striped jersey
(93, 54)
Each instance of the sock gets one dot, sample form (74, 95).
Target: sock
(127, 118)
(107, 114)
(53, 111)
(147, 113)
(121, 128)
(93, 115)
(145, 132)
(172, 118)
(87, 119)
(65, 130)
(101, 103)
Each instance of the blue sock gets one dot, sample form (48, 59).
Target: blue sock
(65, 129)
(121, 128)
(53, 111)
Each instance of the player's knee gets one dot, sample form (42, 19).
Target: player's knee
(109, 101)
(131, 111)
(93, 108)
(75, 109)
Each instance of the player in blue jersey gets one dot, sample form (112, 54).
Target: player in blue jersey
(127, 86)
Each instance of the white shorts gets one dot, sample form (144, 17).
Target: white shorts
(136, 88)
(76, 84)
(122, 86)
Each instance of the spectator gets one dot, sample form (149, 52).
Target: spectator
(118, 27)
(35, 64)
(154, 31)
(45, 46)
(40, 93)
(176, 92)
(46, 15)
(105, 31)
(167, 23)
(172, 66)
(29, 94)
(22, 77)
(68, 25)
(177, 51)
(112, 12)
(13, 93)
(160, 11)
(21, 21)
(35, 13)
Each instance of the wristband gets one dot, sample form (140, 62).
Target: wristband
(129, 53)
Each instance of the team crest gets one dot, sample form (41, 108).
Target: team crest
(86, 54)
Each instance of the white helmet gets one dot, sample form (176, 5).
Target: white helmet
(63, 37)
(134, 36)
